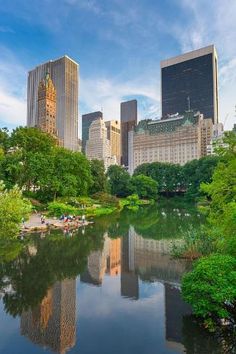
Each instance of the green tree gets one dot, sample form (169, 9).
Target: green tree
(211, 288)
(118, 179)
(196, 172)
(144, 186)
(98, 177)
(32, 140)
(168, 176)
(13, 208)
(222, 194)
(4, 139)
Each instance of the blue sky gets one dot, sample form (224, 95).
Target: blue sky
(118, 44)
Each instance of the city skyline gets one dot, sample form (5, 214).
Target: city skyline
(123, 68)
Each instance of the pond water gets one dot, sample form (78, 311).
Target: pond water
(109, 288)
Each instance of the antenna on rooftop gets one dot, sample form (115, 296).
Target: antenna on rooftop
(189, 104)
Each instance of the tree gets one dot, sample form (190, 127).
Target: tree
(4, 139)
(222, 194)
(144, 186)
(168, 176)
(196, 172)
(98, 177)
(32, 140)
(118, 179)
(13, 208)
(210, 288)
(68, 175)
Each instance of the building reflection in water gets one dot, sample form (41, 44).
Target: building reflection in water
(52, 323)
(139, 259)
(107, 260)
(136, 259)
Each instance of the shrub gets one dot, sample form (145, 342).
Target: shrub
(106, 199)
(211, 288)
(195, 243)
(58, 209)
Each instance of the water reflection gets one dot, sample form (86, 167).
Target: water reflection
(125, 282)
(52, 324)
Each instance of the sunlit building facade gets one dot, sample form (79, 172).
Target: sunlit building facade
(178, 139)
(113, 135)
(64, 74)
(98, 147)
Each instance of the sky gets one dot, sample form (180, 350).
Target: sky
(118, 44)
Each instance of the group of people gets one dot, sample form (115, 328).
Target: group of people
(70, 218)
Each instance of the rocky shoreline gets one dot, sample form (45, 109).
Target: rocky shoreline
(34, 224)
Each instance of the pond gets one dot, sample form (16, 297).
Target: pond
(111, 287)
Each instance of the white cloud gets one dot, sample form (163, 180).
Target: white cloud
(107, 94)
(12, 90)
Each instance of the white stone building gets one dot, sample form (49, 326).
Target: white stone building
(98, 146)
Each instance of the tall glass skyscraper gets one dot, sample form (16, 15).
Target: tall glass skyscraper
(128, 120)
(190, 81)
(64, 74)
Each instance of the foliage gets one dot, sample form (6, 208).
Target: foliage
(4, 139)
(194, 244)
(58, 209)
(173, 178)
(32, 140)
(211, 288)
(168, 176)
(106, 199)
(196, 172)
(100, 211)
(222, 194)
(38, 166)
(13, 208)
(143, 186)
(99, 183)
(118, 180)
(31, 275)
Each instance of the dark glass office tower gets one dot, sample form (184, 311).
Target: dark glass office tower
(87, 120)
(190, 81)
(128, 120)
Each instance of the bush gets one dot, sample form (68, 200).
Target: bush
(58, 209)
(211, 288)
(195, 243)
(106, 199)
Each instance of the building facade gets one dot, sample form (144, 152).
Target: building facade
(87, 120)
(128, 119)
(98, 146)
(47, 106)
(191, 81)
(178, 139)
(217, 139)
(113, 134)
(64, 74)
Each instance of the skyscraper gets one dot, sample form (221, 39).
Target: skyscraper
(64, 74)
(190, 81)
(47, 106)
(113, 134)
(128, 118)
(87, 120)
(98, 146)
